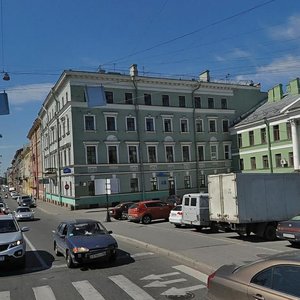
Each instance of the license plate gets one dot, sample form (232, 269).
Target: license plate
(2, 258)
(97, 255)
(173, 214)
(288, 235)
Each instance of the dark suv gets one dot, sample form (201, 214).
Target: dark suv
(146, 211)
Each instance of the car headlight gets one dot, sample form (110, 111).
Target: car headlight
(16, 243)
(80, 250)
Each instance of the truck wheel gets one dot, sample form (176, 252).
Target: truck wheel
(270, 233)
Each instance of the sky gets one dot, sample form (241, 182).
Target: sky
(236, 40)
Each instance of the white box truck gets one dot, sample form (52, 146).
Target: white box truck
(195, 210)
(253, 202)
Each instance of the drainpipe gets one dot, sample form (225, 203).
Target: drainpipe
(269, 144)
(133, 75)
(195, 135)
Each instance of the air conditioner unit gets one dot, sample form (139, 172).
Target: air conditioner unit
(283, 162)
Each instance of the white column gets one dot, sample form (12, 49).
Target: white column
(295, 141)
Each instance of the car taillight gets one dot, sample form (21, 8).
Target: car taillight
(180, 213)
(210, 277)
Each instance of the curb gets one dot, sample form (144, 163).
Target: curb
(206, 269)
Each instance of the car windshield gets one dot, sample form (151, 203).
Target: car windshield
(8, 226)
(86, 229)
(177, 208)
(23, 209)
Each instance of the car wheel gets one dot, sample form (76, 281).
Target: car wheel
(69, 260)
(270, 233)
(146, 219)
(56, 251)
(294, 244)
(177, 225)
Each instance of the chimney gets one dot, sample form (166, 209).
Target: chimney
(275, 94)
(294, 87)
(133, 70)
(204, 76)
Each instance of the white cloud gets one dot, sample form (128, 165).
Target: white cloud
(22, 94)
(235, 53)
(288, 31)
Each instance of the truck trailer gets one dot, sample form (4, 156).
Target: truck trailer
(253, 202)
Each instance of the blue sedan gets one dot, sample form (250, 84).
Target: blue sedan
(84, 240)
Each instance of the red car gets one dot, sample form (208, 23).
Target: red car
(146, 211)
(120, 211)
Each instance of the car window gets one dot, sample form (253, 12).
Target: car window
(86, 229)
(153, 204)
(7, 226)
(296, 218)
(263, 278)
(286, 279)
(177, 208)
(23, 209)
(193, 201)
(186, 201)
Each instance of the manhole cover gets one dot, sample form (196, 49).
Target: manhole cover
(187, 296)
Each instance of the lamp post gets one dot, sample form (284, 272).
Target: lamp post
(107, 191)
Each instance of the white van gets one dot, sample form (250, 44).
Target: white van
(195, 210)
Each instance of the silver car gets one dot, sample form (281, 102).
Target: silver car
(12, 243)
(24, 213)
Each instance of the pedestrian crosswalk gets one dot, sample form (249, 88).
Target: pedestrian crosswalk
(83, 289)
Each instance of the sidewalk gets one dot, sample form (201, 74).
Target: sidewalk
(176, 245)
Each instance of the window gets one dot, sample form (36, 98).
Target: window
(265, 161)
(147, 99)
(288, 131)
(263, 278)
(263, 136)
(184, 125)
(109, 97)
(132, 154)
(154, 186)
(276, 133)
(241, 164)
(169, 154)
(212, 125)
(89, 122)
(186, 153)
(224, 103)
(128, 98)
(130, 123)
(253, 163)
(110, 123)
(291, 159)
(181, 101)
(213, 152)
(225, 125)
(187, 182)
(165, 100)
(227, 151)
(197, 102)
(91, 155)
(211, 103)
(278, 160)
(134, 185)
(149, 124)
(167, 125)
(199, 125)
(251, 138)
(202, 181)
(112, 154)
(201, 153)
(152, 154)
(240, 140)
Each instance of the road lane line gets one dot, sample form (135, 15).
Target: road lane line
(43, 293)
(141, 254)
(192, 272)
(36, 254)
(87, 291)
(134, 291)
(5, 295)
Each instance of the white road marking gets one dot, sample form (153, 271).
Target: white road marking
(87, 291)
(192, 272)
(141, 254)
(181, 292)
(5, 295)
(158, 283)
(58, 266)
(36, 254)
(134, 291)
(43, 293)
(159, 276)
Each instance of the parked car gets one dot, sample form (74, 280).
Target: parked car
(84, 240)
(4, 208)
(24, 213)
(289, 230)
(12, 243)
(146, 211)
(120, 211)
(176, 215)
(274, 277)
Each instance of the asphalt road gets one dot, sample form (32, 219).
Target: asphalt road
(137, 274)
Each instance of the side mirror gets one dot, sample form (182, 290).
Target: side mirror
(24, 229)
(110, 232)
